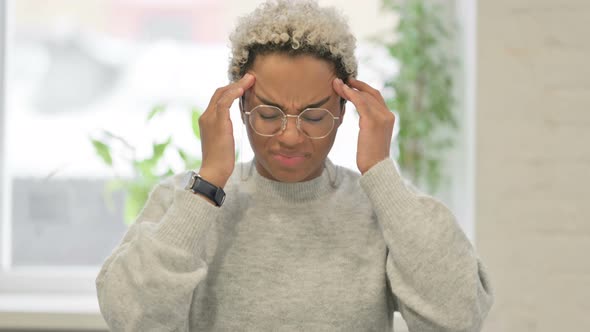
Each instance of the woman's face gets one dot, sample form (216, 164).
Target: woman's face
(292, 83)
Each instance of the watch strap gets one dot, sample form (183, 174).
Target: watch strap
(201, 186)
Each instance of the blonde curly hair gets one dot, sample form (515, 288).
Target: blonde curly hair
(293, 27)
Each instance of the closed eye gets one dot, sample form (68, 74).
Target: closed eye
(269, 117)
(310, 119)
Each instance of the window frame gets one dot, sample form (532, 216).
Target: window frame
(38, 279)
(4, 204)
(61, 282)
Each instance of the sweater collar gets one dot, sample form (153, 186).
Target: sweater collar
(297, 192)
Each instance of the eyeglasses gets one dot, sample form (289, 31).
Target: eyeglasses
(315, 123)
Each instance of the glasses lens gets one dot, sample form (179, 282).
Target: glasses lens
(266, 120)
(316, 122)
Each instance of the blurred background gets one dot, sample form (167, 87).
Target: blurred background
(517, 176)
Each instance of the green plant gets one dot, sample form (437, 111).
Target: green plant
(145, 171)
(423, 89)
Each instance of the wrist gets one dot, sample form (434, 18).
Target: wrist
(201, 186)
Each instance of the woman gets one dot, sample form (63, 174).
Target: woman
(299, 244)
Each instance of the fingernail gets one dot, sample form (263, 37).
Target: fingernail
(338, 81)
(248, 76)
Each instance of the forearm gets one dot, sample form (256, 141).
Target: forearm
(433, 270)
(149, 280)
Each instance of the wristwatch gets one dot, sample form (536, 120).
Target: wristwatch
(197, 184)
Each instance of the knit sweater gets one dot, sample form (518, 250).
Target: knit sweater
(340, 252)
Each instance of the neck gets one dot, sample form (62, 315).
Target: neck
(303, 191)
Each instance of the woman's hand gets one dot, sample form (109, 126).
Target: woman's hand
(217, 139)
(376, 122)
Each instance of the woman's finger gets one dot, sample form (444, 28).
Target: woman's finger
(235, 90)
(356, 97)
(227, 99)
(337, 85)
(364, 87)
(245, 83)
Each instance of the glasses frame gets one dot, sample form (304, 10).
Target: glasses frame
(286, 118)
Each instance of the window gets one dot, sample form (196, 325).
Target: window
(73, 68)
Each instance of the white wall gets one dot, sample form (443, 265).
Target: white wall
(364, 18)
(533, 162)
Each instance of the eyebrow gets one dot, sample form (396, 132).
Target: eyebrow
(314, 105)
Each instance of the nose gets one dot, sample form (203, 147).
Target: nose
(291, 135)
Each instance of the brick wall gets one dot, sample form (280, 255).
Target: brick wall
(533, 162)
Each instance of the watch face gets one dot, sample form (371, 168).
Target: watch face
(188, 180)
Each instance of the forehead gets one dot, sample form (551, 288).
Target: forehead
(292, 77)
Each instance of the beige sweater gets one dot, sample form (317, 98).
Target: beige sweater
(341, 252)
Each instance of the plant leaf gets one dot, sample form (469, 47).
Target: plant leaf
(189, 162)
(118, 138)
(168, 173)
(116, 185)
(109, 188)
(103, 151)
(183, 155)
(133, 205)
(145, 168)
(136, 198)
(159, 149)
(156, 110)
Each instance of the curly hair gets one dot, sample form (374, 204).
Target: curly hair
(294, 28)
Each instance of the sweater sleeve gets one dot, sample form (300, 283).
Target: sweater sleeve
(437, 280)
(147, 283)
